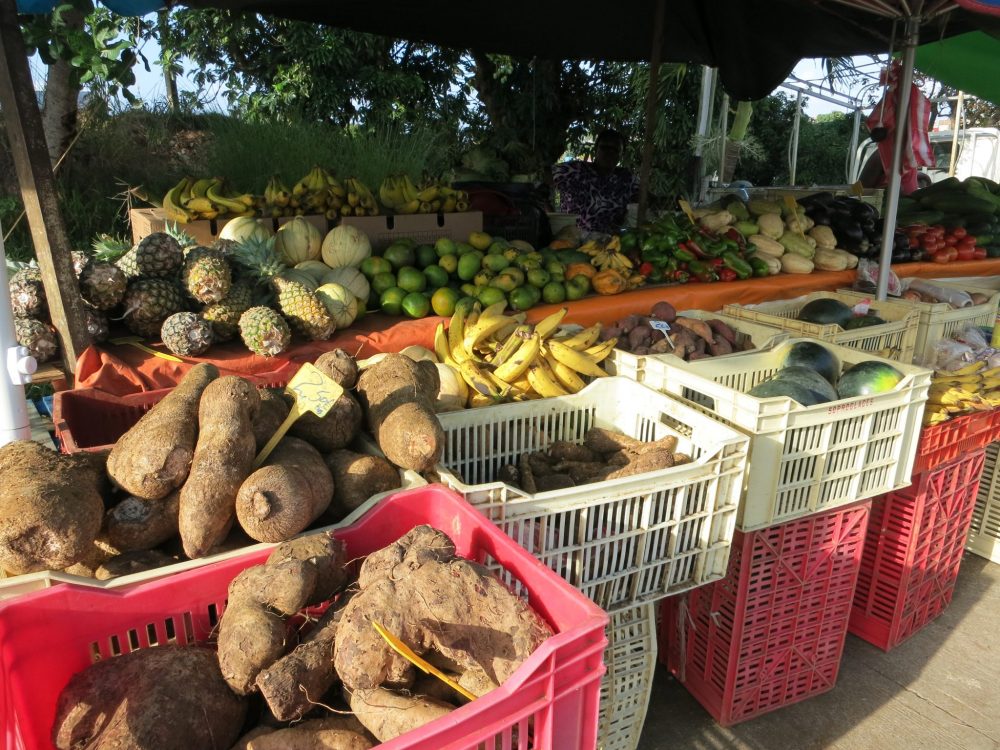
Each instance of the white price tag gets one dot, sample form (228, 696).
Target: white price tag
(862, 307)
(660, 325)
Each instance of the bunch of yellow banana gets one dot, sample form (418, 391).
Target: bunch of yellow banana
(359, 200)
(969, 388)
(206, 198)
(318, 192)
(502, 358)
(609, 257)
(398, 193)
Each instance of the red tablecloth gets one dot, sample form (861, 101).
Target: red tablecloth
(122, 369)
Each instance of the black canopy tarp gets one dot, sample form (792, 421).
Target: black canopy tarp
(753, 43)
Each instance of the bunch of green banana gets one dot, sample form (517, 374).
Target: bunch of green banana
(969, 388)
(359, 200)
(318, 192)
(397, 192)
(502, 358)
(206, 198)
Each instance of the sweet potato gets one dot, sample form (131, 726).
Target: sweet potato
(168, 698)
(223, 458)
(253, 627)
(431, 600)
(722, 329)
(153, 458)
(334, 431)
(398, 397)
(326, 555)
(273, 410)
(720, 347)
(387, 714)
(356, 477)
(51, 508)
(137, 561)
(136, 524)
(290, 491)
(698, 327)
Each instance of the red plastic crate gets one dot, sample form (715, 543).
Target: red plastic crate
(914, 547)
(551, 701)
(957, 437)
(91, 420)
(771, 633)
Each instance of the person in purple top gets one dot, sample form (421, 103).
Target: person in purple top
(599, 190)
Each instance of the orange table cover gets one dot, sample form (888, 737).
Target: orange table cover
(123, 369)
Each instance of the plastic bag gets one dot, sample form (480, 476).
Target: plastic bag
(866, 279)
(954, 297)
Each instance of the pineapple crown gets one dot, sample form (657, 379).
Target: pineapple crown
(256, 255)
(109, 248)
(183, 238)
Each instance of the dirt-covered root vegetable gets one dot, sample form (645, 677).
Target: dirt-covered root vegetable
(327, 556)
(137, 524)
(223, 458)
(168, 697)
(273, 410)
(243, 743)
(286, 494)
(387, 714)
(433, 601)
(136, 561)
(302, 737)
(252, 631)
(340, 366)
(98, 553)
(154, 456)
(398, 397)
(608, 441)
(297, 681)
(356, 477)
(51, 508)
(337, 429)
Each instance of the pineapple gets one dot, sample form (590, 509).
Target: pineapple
(80, 260)
(102, 284)
(158, 255)
(148, 302)
(307, 315)
(97, 324)
(264, 331)
(128, 265)
(39, 338)
(27, 295)
(186, 334)
(225, 315)
(207, 275)
(184, 239)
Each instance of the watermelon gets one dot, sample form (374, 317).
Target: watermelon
(826, 311)
(815, 356)
(800, 384)
(868, 379)
(863, 321)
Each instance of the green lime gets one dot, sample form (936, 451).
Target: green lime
(538, 277)
(490, 296)
(577, 287)
(436, 276)
(362, 309)
(445, 246)
(449, 263)
(383, 281)
(416, 305)
(373, 265)
(411, 279)
(554, 292)
(426, 256)
(521, 298)
(391, 300)
(469, 265)
(399, 255)
(444, 300)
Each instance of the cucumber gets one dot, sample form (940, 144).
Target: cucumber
(919, 217)
(960, 203)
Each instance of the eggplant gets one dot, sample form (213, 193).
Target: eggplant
(820, 215)
(824, 198)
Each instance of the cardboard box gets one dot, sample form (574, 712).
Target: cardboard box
(384, 230)
(145, 221)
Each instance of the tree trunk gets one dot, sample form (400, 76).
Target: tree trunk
(62, 93)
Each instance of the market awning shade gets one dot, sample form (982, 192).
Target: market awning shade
(967, 62)
(121, 7)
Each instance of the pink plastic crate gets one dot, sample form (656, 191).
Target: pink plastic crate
(771, 633)
(550, 702)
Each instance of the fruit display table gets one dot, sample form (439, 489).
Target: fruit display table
(122, 369)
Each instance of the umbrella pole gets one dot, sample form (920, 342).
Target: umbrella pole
(704, 117)
(652, 96)
(902, 132)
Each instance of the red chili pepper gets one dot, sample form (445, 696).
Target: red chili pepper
(717, 263)
(736, 237)
(646, 269)
(727, 274)
(695, 248)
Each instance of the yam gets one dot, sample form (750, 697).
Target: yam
(340, 366)
(168, 698)
(223, 458)
(334, 431)
(357, 477)
(136, 523)
(608, 441)
(326, 555)
(398, 398)
(305, 738)
(51, 508)
(562, 450)
(285, 495)
(554, 482)
(432, 601)
(153, 458)
(649, 461)
(243, 743)
(98, 553)
(387, 714)
(128, 563)
(273, 411)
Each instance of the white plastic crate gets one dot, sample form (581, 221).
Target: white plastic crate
(984, 535)
(14, 586)
(805, 460)
(622, 541)
(630, 661)
(630, 365)
(939, 320)
(893, 340)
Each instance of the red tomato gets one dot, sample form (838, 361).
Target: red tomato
(950, 240)
(914, 242)
(959, 232)
(966, 253)
(966, 241)
(979, 253)
(941, 258)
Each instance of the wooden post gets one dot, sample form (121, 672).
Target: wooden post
(652, 96)
(38, 189)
